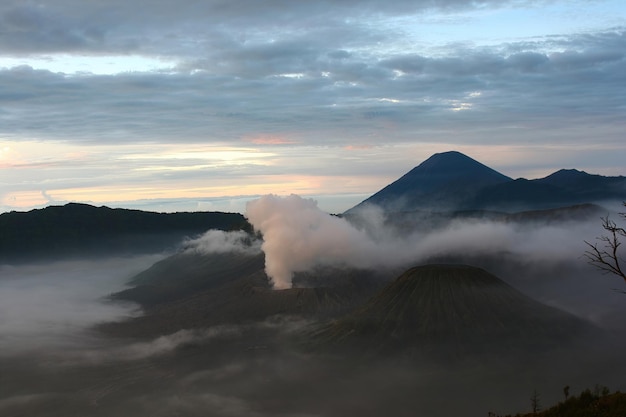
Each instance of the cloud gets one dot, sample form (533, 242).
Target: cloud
(117, 26)
(28, 27)
(244, 95)
(269, 140)
(357, 147)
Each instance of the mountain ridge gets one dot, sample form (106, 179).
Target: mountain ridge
(452, 181)
(77, 229)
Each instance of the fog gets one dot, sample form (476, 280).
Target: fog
(55, 363)
(219, 241)
(56, 303)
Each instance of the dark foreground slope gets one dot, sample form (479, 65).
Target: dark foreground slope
(80, 230)
(597, 403)
(451, 309)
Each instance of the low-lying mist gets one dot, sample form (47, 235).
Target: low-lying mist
(53, 362)
(54, 303)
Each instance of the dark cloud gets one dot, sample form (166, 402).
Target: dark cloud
(190, 29)
(28, 27)
(302, 85)
(99, 26)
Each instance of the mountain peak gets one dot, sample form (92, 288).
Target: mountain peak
(451, 307)
(588, 187)
(442, 181)
(568, 173)
(448, 156)
(454, 162)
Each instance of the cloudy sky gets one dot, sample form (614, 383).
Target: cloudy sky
(202, 104)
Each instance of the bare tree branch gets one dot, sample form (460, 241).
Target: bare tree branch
(605, 255)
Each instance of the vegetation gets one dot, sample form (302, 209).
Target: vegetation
(599, 402)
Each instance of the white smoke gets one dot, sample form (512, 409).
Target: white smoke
(298, 236)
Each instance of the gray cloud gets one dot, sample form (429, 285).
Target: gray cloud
(70, 25)
(489, 87)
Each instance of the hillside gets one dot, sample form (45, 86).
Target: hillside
(597, 403)
(81, 229)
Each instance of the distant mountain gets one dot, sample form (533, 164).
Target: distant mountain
(443, 181)
(451, 181)
(450, 309)
(588, 187)
(81, 229)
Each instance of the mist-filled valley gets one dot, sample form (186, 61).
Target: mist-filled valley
(296, 312)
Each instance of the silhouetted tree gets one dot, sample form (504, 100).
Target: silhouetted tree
(601, 391)
(606, 257)
(566, 392)
(535, 403)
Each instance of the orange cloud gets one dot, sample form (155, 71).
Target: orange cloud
(267, 139)
(357, 147)
(23, 199)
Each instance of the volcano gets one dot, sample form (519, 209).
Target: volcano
(443, 181)
(454, 182)
(451, 309)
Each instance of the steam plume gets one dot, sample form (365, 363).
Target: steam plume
(297, 236)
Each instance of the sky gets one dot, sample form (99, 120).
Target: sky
(204, 105)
